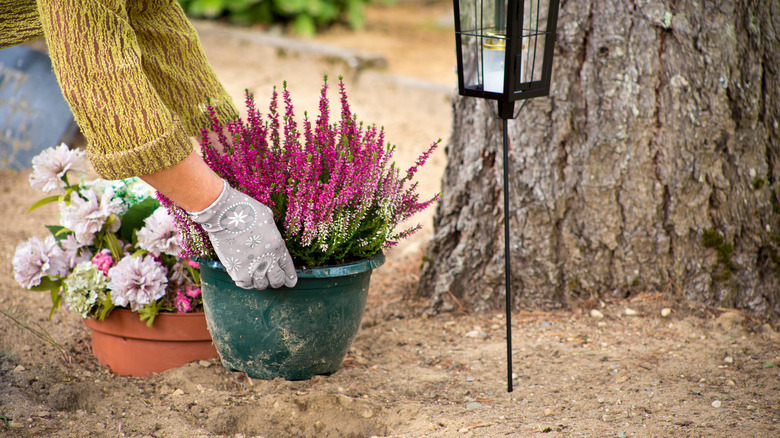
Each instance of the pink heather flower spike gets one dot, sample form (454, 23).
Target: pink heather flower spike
(334, 190)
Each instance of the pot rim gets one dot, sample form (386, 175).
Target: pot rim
(321, 272)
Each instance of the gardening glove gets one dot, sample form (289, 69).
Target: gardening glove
(246, 240)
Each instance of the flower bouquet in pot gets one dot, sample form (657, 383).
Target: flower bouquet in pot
(114, 260)
(338, 201)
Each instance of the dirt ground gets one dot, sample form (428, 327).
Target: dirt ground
(621, 371)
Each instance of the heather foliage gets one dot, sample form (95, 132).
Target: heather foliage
(336, 195)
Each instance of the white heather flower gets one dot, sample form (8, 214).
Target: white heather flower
(159, 234)
(83, 287)
(137, 281)
(52, 164)
(87, 214)
(34, 260)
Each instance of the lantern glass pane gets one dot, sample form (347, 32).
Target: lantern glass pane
(483, 42)
(534, 36)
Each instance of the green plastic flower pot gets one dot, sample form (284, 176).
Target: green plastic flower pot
(294, 333)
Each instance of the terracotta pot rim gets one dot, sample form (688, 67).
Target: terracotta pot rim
(168, 326)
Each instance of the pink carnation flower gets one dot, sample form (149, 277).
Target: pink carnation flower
(51, 165)
(87, 214)
(34, 260)
(181, 302)
(159, 234)
(103, 261)
(137, 282)
(192, 291)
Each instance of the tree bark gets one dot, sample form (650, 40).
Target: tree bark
(652, 166)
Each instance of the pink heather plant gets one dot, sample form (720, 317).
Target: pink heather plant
(335, 194)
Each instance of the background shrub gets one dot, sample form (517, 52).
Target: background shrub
(303, 16)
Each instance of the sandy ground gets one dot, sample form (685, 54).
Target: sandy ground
(625, 372)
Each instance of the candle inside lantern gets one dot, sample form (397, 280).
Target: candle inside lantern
(494, 54)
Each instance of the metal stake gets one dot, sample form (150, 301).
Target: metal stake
(506, 259)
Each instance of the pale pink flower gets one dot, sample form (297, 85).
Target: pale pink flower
(34, 260)
(51, 165)
(87, 214)
(193, 264)
(137, 282)
(103, 261)
(75, 252)
(159, 234)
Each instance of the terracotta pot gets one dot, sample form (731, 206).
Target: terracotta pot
(124, 344)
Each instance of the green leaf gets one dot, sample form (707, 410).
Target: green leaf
(44, 201)
(135, 217)
(55, 300)
(113, 244)
(149, 312)
(108, 306)
(47, 283)
(59, 232)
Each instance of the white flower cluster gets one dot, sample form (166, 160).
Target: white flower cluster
(77, 257)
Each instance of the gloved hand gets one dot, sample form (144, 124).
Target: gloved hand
(246, 240)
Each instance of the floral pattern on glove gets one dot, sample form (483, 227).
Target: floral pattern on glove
(247, 242)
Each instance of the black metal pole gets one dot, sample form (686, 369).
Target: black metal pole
(506, 259)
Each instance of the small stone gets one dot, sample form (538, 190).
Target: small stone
(665, 312)
(730, 383)
(601, 324)
(463, 430)
(596, 314)
(205, 363)
(26, 348)
(476, 334)
(15, 425)
(473, 405)
(548, 412)
(716, 404)
(367, 413)
(621, 379)
(18, 368)
(631, 312)
(469, 379)
(178, 392)
(728, 359)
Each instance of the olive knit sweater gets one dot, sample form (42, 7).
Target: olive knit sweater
(133, 72)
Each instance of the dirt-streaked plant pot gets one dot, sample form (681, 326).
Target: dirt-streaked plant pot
(294, 333)
(124, 344)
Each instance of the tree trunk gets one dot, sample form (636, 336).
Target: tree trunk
(653, 165)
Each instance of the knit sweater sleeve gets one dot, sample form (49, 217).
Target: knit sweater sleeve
(135, 77)
(18, 22)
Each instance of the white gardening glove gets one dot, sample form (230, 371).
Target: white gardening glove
(246, 240)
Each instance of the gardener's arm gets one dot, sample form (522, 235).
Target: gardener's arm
(131, 131)
(132, 126)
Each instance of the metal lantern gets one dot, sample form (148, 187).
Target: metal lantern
(505, 49)
(505, 53)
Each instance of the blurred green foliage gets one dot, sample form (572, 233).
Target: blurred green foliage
(303, 16)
